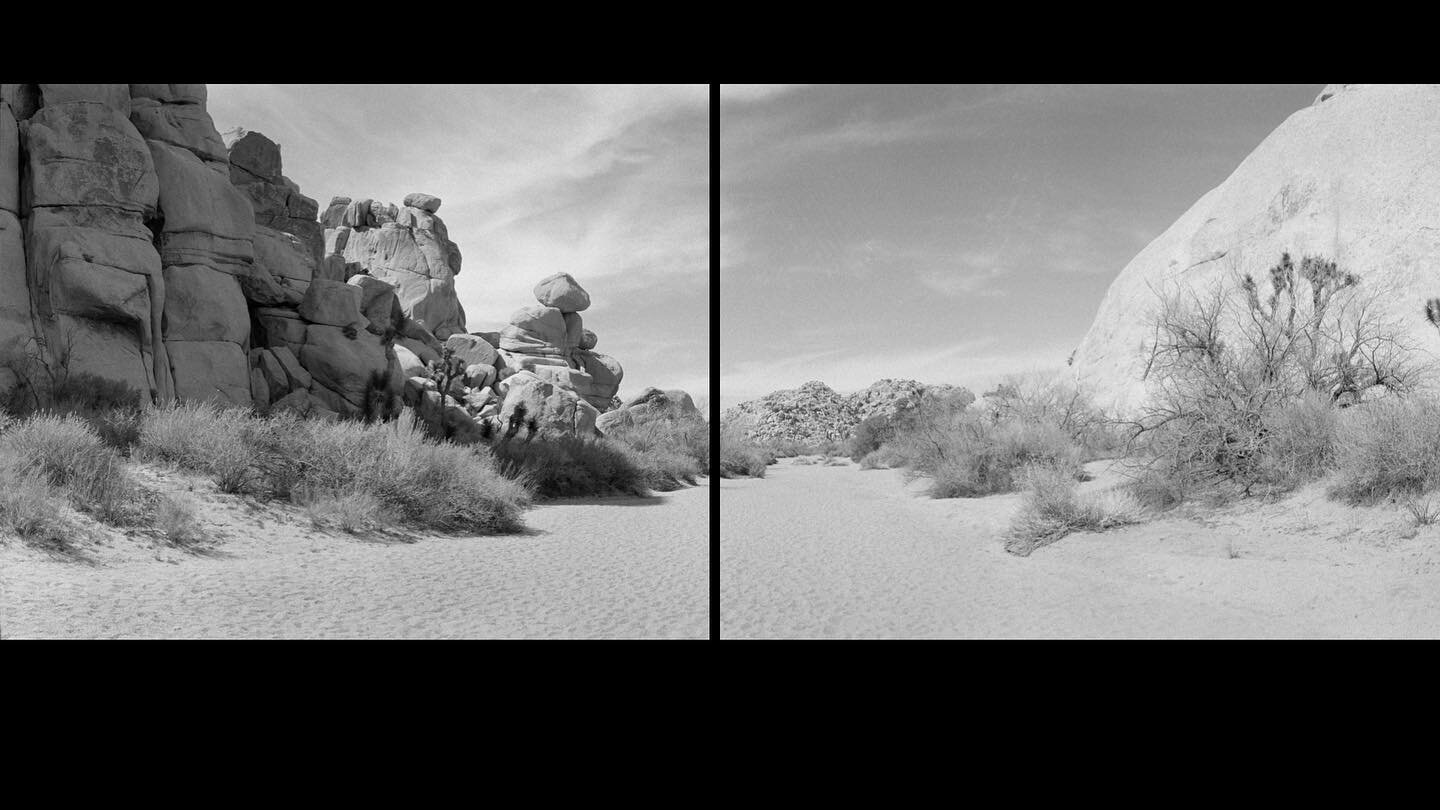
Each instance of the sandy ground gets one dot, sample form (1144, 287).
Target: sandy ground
(598, 568)
(837, 552)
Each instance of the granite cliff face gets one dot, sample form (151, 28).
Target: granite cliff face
(138, 246)
(1354, 178)
(814, 413)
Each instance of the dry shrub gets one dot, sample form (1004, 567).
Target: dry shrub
(989, 458)
(354, 511)
(884, 457)
(671, 450)
(1388, 447)
(573, 466)
(741, 457)
(203, 437)
(69, 454)
(1241, 381)
(1301, 438)
(1052, 508)
(30, 506)
(177, 521)
(420, 482)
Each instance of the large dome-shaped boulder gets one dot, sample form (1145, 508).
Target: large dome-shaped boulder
(1354, 179)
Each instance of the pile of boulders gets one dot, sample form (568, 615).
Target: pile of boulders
(142, 247)
(538, 375)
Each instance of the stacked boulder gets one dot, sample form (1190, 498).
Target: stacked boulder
(551, 342)
(537, 375)
(407, 246)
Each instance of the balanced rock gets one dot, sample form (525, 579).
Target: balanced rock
(562, 292)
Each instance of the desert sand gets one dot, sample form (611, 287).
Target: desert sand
(839, 552)
(588, 568)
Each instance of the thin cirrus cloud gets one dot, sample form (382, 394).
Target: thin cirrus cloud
(608, 183)
(897, 218)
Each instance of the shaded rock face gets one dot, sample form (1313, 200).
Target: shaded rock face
(138, 245)
(1354, 178)
(815, 414)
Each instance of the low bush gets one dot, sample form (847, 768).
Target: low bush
(978, 457)
(1386, 448)
(574, 466)
(67, 452)
(419, 481)
(30, 507)
(882, 458)
(353, 511)
(671, 451)
(1053, 508)
(176, 520)
(740, 457)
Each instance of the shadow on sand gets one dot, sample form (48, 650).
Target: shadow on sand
(605, 500)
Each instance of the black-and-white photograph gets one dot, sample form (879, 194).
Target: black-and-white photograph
(355, 361)
(1079, 361)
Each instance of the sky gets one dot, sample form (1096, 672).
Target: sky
(608, 183)
(951, 233)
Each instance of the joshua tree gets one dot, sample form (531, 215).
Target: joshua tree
(443, 373)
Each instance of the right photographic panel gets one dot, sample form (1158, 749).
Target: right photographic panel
(1079, 361)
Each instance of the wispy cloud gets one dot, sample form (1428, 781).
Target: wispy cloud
(751, 93)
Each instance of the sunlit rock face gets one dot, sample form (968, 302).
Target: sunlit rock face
(407, 246)
(1354, 178)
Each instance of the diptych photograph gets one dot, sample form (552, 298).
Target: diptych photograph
(719, 363)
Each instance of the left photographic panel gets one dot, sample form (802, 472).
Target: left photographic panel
(354, 361)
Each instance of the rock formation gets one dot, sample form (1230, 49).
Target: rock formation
(406, 246)
(814, 413)
(139, 246)
(1354, 178)
(672, 403)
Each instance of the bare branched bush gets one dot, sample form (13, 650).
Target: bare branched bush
(1053, 508)
(1056, 400)
(1236, 374)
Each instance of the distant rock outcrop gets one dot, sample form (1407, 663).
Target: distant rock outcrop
(1354, 178)
(814, 413)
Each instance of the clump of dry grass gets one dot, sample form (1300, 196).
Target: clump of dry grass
(177, 521)
(670, 449)
(30, 507)
(1386, 448)
(1053, 508)
(69, 455)
(419, 481)
(353, 511)
(741, 457)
